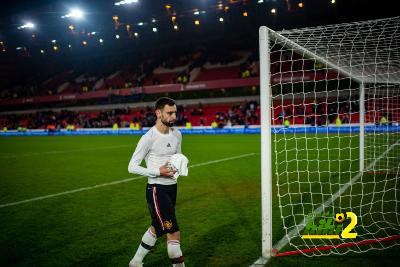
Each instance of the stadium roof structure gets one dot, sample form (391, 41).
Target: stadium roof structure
(367, 52)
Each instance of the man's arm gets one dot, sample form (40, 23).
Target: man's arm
(179, 143)
(140, 153)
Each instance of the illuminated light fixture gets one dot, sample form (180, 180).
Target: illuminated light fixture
(140, 24)
(273, 11)
(125, 2)
(74, 13)
(117, 36)
(168, 6)
(226, 8)
(71, 27)
(176, 27)
(101, 40)
(196, 12)
(53, 41)
(33, 36)
(301, 4)
(136, 34)
(93, 33)
(260, 1)
(29, 25)
(245, 14)
(69, 46)
(154, 20)
(220, 6)
(55, 48)
(84, 42)
(18, 48)
(333, 1)
(115, 18)
(197, 22)
(154, 29)
(221, 19)
(41, 51)
(173, 18)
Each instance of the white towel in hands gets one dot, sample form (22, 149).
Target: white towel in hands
(179, 163)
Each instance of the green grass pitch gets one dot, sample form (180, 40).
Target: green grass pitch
(218, 206)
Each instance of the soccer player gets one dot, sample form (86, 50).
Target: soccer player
(156, 147)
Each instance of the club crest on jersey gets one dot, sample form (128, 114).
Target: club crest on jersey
(168, 225)
(169, 145)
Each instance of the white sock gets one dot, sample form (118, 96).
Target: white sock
(148, 241)
(175, 253)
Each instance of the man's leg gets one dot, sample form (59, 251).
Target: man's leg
(174, 249)
(148, 241)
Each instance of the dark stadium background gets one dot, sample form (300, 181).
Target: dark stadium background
(69, 201)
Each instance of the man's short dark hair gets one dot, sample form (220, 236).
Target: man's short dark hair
(161, 102)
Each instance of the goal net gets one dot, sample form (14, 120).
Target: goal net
(333, 93)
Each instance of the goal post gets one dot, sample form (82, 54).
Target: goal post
(266, 159)
(330, 135)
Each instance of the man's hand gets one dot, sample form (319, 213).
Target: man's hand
(165, 171)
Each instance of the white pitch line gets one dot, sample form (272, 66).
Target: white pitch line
(296, 231)
(60, 151)
(114, 183)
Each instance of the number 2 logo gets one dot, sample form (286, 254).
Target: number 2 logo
(346, 231)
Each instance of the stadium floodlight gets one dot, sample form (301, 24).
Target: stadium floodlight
(273, 10)
(330, 138)
(28, 25)
(75, 13)
(140, 24)
(41, 51)
(136, 34)
(117, 36)
(125, 2)
(176, 27)
(155, 29)
(260, 1)
(53, 41)
(333, 2)
(69, 46)
(101, 40)
(221, 19)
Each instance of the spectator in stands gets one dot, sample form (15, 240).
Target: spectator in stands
(338, 121)
(286, 123)
(281, 115)
(254, 69)
(383, 120)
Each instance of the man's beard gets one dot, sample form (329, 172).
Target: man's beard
(168, 124)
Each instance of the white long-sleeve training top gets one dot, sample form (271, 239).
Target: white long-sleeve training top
(156, 149)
